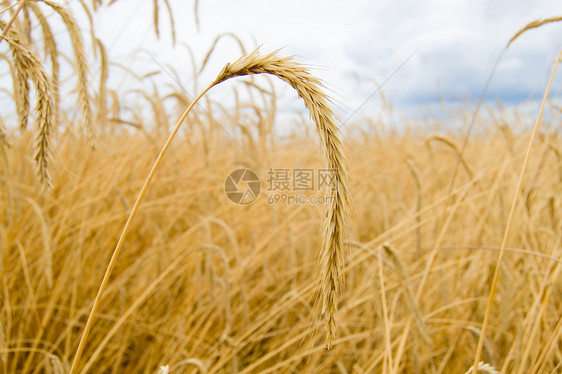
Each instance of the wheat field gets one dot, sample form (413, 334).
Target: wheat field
(437, 252)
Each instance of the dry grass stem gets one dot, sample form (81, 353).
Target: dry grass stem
(510, 217)
(6, 27)
(408, 294)
(451, 144)
(102, 93)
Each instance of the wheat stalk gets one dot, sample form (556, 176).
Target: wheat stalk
(8, 208)
(102, 94)
(417, 178)
(10, 22)
(408, 294)
(90, 17)
(445, 140)
(332, 256)
(25, 25)
(4, 143)
(514, 201)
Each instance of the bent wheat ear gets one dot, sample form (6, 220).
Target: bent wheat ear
(81, 66)
(50, 47)
(533, 25)
(309, 89)
(28, 67)
(333, 255)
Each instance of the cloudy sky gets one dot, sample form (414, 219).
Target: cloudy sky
(426, 52)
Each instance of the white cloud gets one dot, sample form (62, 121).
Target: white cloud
(455, 43)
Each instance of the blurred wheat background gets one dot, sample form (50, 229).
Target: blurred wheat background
(453, 248)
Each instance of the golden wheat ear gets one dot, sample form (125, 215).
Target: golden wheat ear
(28, 68)
(316, 101)
(333, 254)
(81, 65)
(533, 25)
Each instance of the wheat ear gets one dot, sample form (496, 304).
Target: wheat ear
(332, 257)
(81, 66)
(50, 47)
(309, 89)
(28, 67)
(533, 25)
